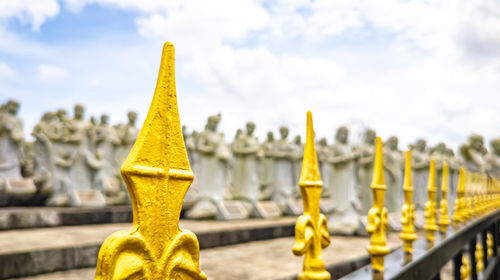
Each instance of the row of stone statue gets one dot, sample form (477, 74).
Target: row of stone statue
(75, 160)
(78, 161)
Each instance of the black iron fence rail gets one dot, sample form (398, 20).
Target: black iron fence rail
(427, 264)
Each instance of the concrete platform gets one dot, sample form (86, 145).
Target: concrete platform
(38, 217)
(43, 250)
(270, 259)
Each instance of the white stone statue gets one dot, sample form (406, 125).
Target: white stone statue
(78, 141)
(11, 142)
(298, 155)
(325, 168)
(393, 167)
(283, 175)
(64, 193)
(212, 174)
(420, 166)
(344, 217)
(474, 153)
(266, 154)
(194, 160)
(45, 133)
(365, 161)
(493, 158)
(127, 134)
(245, 169)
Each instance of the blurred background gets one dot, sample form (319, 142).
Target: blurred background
(408, 68)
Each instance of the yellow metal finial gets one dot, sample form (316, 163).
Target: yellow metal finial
(458, 210)
(430, 207)
(479, 257)
(444, 220)
(408, 212)
(311, 230)
(157, 174)
(489, 244)
(468, 200)
(465, 268)
(378, 222)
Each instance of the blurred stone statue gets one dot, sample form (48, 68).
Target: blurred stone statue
(64, 193)
(283, 173)
(78, 140)
(493, 158)
(420, 166)
(267, 166)
(393, 165)
(298, 155)
(127, 134)
(325, 167)
(245, 185)
(103, 163)
(366, 152)
(45, 133)
(194, 160)
(344, 217)
(212, 174)
(11, 141)
(474, 153)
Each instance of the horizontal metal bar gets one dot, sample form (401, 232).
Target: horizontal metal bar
(430, 264)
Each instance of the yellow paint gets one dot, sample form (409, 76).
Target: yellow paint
(468, 205)
(408, 212)
(479, 257)
(458, 210)
(465, 268)
(444, 220)
(378, 222)
(311, 230)
(489, 244)
(157, 174)
(430, 207)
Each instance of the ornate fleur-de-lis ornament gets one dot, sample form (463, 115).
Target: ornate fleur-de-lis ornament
(444, 220)
(157, 174)
(311, 230)
(458, 210)
(408, 234)
(430, 214)
(378, 222)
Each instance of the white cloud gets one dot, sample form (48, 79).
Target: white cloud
(34, 12)
(51, 72)
(410, 68)
(5, 70)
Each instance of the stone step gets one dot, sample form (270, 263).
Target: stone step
(269, 259)
(43, 250)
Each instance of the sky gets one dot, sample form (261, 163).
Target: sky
(409, 68)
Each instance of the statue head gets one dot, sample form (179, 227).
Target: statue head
(284, 132)
(441, 148)
(250, 128)
(62, 114)
(297, 140)
(323, 142)
(105, 119)
(213, 122)
(238, 134)
(132, 117)
(370, 136)
(270, 136)
(476, 142)
(12, 107)
(421, 145)
(450, 152)
(48, 116)
(342, 134)
(93, 120)
(392, 143)
(79, 111)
